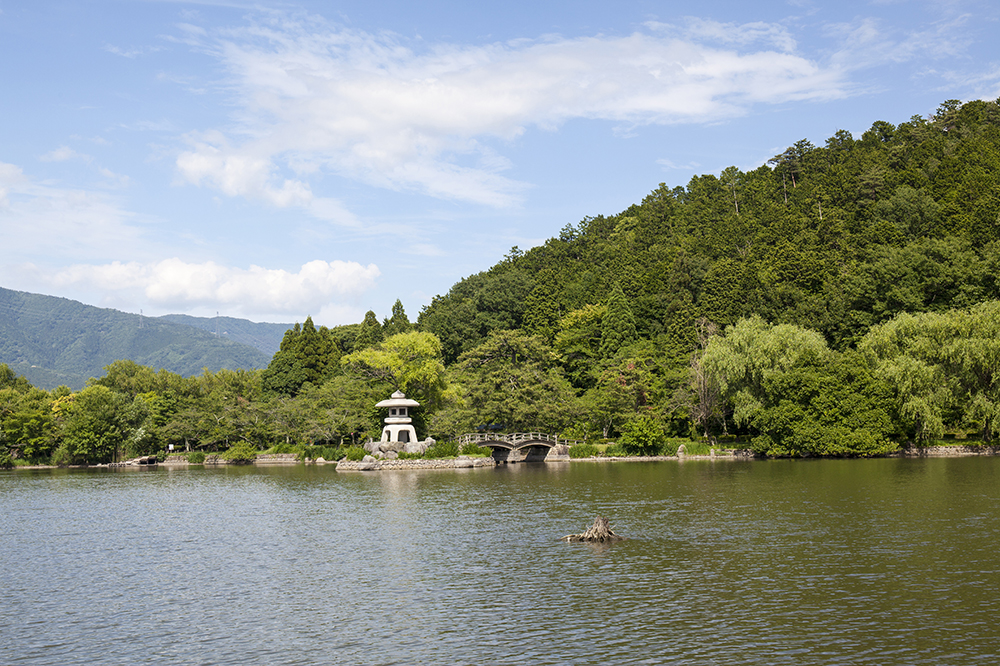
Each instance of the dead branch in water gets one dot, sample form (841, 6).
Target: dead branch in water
(599, 532)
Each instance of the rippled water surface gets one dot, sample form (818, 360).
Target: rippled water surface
(780, 562)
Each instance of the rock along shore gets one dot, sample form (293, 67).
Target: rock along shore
(436, 463)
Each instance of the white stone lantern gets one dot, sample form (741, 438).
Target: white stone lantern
(397, 424)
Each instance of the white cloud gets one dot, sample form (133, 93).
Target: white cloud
(368, 107)
(173, 283)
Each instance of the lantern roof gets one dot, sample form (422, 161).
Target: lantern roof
(398, 399)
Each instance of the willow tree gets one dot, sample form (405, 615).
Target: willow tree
(944, 368)
(750, 352)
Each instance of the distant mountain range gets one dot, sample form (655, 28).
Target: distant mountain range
(54, 341)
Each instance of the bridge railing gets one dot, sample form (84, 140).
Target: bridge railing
(514, 438)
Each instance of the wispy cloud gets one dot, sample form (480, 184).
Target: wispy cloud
(132, 53)
(66, 222)
(63, 154)
(869, 42)
(314, 96)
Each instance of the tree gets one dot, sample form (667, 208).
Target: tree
(749, 353)
(26, 422)
(409, 362)
(831, 407)
(371, 332)
(96, 425)
(579, 343)
(513, 381)
(398, 323)
(705, 397)
(944, 368)
(642, 435)
(306, 355)
(618, 324)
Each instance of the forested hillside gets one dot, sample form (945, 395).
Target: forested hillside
(835, 237)
(842, 299)
(55, 341)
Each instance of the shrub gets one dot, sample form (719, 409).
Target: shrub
(403, 455)
(442, 450)
(286, 447)
(695, 448)
(196, 457)
(324, 452)
(6, 461)
(642, 435)
(615, 450)
(671, 444)
(474, 450)
(355, 453)
(241, 453)
(582, 451)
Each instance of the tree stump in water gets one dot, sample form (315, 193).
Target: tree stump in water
(599, 532)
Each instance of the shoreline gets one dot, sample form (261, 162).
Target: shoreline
(465, 462)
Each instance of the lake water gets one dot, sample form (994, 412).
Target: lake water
(777, 562)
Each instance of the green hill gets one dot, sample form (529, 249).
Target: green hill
(53, 341)
(263, 337)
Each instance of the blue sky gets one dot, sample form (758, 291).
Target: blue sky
(274, 160)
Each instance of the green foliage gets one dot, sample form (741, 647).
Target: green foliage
(691, 448)
(513, 381)
(618, 323)
(403, 455)
(196, 457)
(443, 449)
(355, 453)
(751, 352)
(582, 451)
(615, 450)
(97, 424)
(836, 408)
(888, 244)
(642, 436)
(370, 333)
(240, 453)
(944, 368)
(6, 462)
(398, 323)
(410, 362)
(474, 450)
(324, 452)
(306, 356)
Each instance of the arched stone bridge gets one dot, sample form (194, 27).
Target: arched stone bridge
(521, 446)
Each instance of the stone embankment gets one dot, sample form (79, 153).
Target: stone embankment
(960, 451)
(374, 464)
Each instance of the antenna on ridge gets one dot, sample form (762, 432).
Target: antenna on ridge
(216, 323)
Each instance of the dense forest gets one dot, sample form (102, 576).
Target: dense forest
(842, 299)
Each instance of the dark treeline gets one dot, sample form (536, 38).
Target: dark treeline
(839, 300)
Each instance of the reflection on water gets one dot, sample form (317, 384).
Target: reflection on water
(798, 562)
